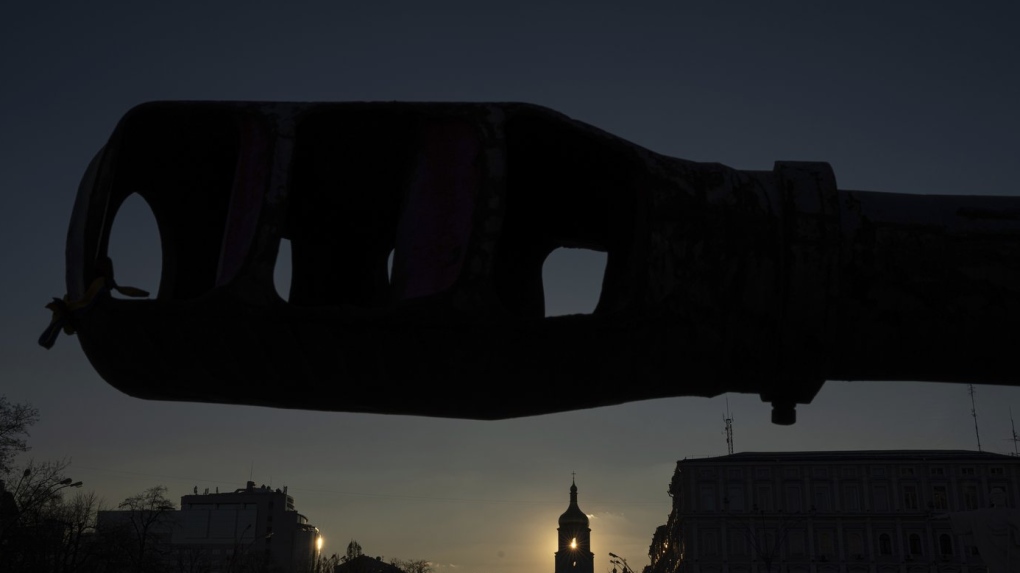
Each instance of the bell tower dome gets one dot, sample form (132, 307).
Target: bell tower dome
(574, 548)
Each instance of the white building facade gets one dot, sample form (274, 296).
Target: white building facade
(829, 512)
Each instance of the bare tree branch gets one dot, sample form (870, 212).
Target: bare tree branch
(15, 419)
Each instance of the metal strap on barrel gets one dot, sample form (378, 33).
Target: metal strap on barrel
(810, 260)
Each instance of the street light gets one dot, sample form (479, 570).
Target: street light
(41, 492)
(67, 483)
(27, 497)
(619, 561)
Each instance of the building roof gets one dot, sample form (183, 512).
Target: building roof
(573, 515)
(366, 564)
(856, 456)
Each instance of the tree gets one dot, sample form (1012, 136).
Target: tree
(78, 518)
(40, 488)
(15, 419)
(147, 516)
(323, 564)
(39, 528)
(34, 526)
(353, 551)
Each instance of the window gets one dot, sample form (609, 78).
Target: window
(707, 497)
(791, 472)
(735, 473)
(910, 497)
(970, 497)
(906, 471)
(767, 539)
(849, 472)
(762, 473)
(706, 473)
(795, 542)
(735, 497)
(939, 497)
(851, 497)
(884, 544)
(878, 471)
(820, 472)
(826, 545)
(997, 471)
(855, 544)
(794, 502)
(967, 471)
(938, 471)
(945, 545)
(914, 544)
(709, 542)
(822, 497)
(738, 541)
(764, 497)
(880, 497)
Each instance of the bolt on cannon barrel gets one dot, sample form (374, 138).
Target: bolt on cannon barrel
(717, 279)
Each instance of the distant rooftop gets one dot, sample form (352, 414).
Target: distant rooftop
(366, 564)
(856, 455)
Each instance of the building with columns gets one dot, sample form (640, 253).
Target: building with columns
(831, 512)
(573, 554)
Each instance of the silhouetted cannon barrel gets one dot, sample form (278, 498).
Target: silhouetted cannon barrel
(930, 288)
(717, 280)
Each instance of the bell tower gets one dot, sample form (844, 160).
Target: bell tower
(573, 553)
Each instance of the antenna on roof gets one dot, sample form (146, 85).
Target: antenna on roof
(1015, 438)
(973, 412)
(729, 428)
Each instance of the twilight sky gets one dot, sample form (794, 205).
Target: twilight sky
(919, 99)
